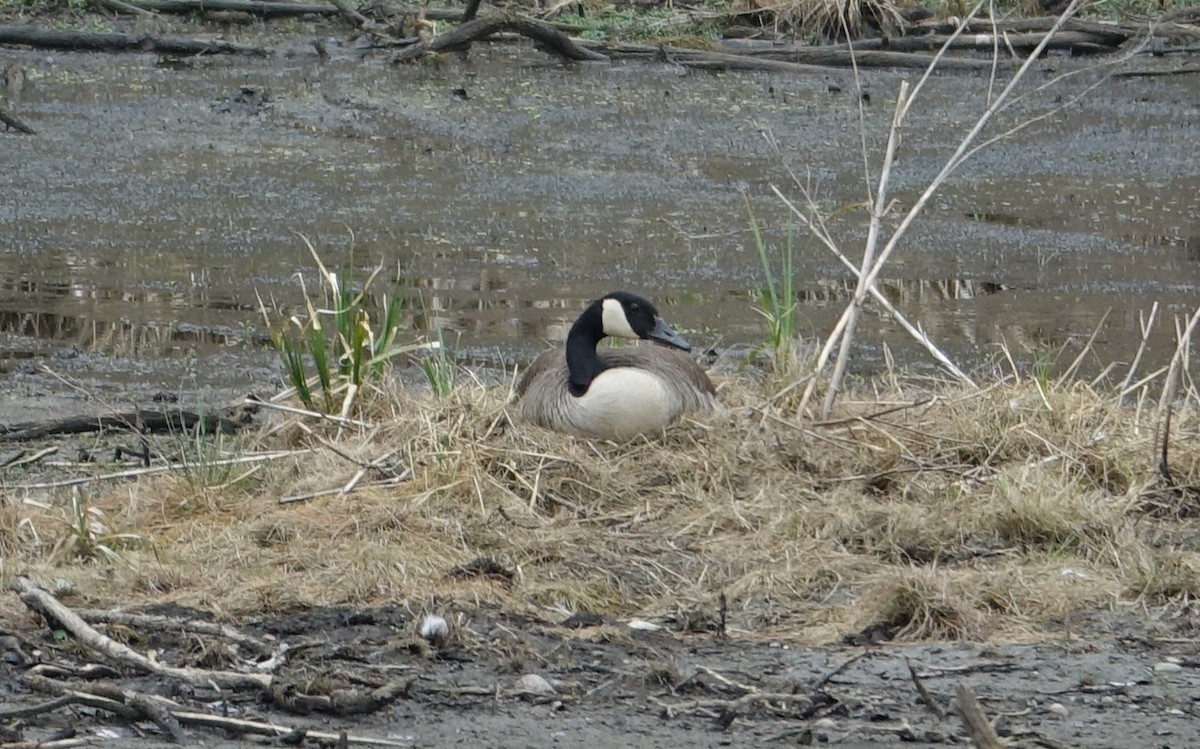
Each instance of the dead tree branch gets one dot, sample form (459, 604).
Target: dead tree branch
(13, 122)
(32, 36)
(472, 31)
(46, 605)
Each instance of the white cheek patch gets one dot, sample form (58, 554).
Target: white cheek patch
(614, 320)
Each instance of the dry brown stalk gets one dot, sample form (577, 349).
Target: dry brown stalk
(1146, 323)
(1178, 365)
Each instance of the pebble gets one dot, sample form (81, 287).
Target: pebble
(534, 684)
(1166, 667)
(1058, 708)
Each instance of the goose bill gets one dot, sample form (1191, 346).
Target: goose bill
(663, 334)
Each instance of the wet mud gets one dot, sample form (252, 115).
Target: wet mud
(614, 687)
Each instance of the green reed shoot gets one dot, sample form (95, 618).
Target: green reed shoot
(776, 299)
(342, 343)
(438, 367)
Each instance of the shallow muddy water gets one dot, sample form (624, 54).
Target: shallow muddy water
(158, 199)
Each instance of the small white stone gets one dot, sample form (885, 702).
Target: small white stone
(827, 724)
(1166, 667)
(1058, 708)
(435, 630)
(643, 626)
(534, 684)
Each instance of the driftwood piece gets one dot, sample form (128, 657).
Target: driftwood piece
(342, 702)
(33, 36)
(978, 727)
(789, 59)
(49, 607)
(985, 42)
(169, 715)
(143, 421)
(813, 60)
(356, 18)
(1185, 70)
(272, 9)
(1113, 34)
(158, 623)
(120, 6)
(13, 122)
(464, 35)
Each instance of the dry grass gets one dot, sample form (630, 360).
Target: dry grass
(979, 514)
(822, 20)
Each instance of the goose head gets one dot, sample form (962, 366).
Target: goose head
(626, 315)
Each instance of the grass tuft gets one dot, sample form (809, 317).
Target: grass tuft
(824, 20)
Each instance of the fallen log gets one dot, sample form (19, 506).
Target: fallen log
(981, 41)
(791, 59)
(1114, 34)
(1185, 70)
(142, 421)
(267, 9)
(875, 59)
(465, 34)
(33, 36)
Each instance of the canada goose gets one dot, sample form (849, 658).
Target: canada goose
(616, 393)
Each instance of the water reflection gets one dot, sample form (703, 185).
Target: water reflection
(480, 310)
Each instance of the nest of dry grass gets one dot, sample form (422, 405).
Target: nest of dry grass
(996, 513)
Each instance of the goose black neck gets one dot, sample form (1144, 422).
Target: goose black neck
(583, 364)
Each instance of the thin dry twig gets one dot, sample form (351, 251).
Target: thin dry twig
(926, 698)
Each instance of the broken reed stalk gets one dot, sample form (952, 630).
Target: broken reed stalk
(823, 236)
(844, 327)
(878, 208)
(1146, 324)
(1175, 370)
